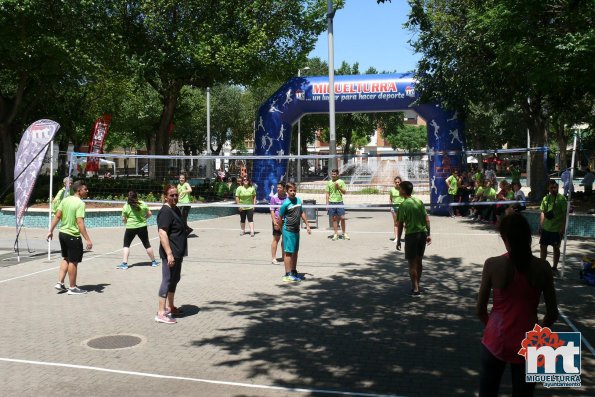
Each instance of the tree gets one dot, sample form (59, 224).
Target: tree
(412, 138)
(506, 54)
(43, 45)
(175, 43)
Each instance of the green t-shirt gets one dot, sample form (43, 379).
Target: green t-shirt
(335, 195)
(452, 183)
(490, 194)
(510, 195)
(72, 207)
(221, 189)
(477, 176)
(558, 205)
(183, 197)
(413, 214)
(246, 196)
(395, 196)
(58, 199)
(135, 218)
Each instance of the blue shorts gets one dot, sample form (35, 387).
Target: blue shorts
(291, 241)
(336, 211)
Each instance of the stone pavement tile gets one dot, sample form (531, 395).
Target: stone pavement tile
(350, 326)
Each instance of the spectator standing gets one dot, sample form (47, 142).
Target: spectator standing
(71, 212)
(516, 281)
(566, 179)
(552, 221)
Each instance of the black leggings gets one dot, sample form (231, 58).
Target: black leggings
(170, 276)
(185, 210)
(491, 373)
(141, 232)
(246, 213)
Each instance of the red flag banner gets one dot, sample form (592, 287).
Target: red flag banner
(98, 135)
(32, 149)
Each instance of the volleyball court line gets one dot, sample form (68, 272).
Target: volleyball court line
(57, 267)
(200, 380)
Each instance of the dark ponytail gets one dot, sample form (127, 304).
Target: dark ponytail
(133, 200)
(515, 229)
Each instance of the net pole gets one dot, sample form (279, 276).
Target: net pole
(568, 204)
(50, 194)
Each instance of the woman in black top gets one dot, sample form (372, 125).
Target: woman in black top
(173, 238)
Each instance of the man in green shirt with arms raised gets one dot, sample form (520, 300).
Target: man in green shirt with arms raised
(71, 212)
(413, 216)
(552, 222)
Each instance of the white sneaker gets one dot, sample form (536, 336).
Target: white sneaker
(76, 291)
(60, 287)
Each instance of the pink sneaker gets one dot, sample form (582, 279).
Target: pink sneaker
(165, 318)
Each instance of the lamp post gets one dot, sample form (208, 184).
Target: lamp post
(208, 167)
(330, 14)
(299, 138)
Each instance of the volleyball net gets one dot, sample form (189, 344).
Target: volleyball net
(368, 177)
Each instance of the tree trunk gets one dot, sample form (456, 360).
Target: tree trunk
(8, 155)
(170, 100)
(536, 122)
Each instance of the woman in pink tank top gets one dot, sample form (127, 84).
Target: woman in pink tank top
(518, 279)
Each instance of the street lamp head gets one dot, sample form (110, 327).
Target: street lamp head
(304, 69)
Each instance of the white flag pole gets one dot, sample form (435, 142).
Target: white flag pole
(50, 194)
(568, 204)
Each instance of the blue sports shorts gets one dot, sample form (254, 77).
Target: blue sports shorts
(336, 211)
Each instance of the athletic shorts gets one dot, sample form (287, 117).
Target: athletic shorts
(394, 208)
(246, 213)
(291, 242)
(336, 211)
(550, 238)
(276, 232)
(415, 245)
(141, 232)
(72, 247)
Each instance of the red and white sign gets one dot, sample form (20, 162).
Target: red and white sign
(98, 134)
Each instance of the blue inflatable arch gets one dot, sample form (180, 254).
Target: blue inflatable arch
(366, 93)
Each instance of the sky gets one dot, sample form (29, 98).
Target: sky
(371, 34)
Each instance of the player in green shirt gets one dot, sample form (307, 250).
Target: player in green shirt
(134, 215)
(71, 212)
(395, 199)
(335, 189)
(184, 191)
(452, 182)
(414, 218)
(60, 195)
(552, 222)
(246, 195)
